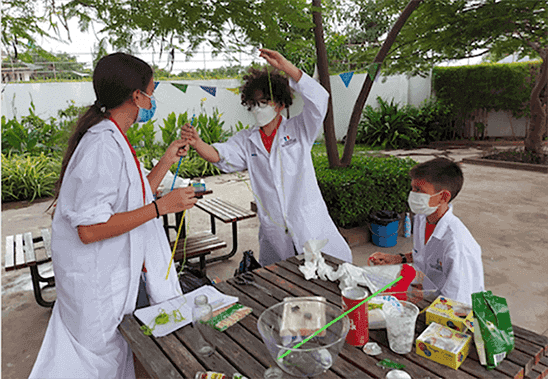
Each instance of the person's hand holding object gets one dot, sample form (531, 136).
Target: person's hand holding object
(177, 200)
(384, 259)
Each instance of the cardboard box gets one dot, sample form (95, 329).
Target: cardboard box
(453, 314)
(443, 345)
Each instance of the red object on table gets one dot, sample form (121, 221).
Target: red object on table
(408, 273)
(358, 335)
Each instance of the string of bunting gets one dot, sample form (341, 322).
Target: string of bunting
(372, 70)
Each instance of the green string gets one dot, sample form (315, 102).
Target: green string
(162, 319)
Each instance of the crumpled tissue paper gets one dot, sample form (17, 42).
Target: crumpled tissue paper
(314, 266)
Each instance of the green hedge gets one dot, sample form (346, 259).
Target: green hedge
(368, 185)
(488, 86)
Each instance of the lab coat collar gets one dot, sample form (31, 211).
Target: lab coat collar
(255, 136)
(441, 227)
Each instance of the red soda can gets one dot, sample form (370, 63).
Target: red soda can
(358, 335)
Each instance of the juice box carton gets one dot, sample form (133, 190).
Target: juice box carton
(450, 313)
(443, 345)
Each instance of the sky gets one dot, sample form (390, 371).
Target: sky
(82, 44)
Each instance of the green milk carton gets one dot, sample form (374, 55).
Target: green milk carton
(493, 333)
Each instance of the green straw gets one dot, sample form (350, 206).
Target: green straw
(341, 316)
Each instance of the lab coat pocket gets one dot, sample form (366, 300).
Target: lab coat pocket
(292, 157)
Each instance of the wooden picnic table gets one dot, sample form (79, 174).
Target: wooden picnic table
(240, 348)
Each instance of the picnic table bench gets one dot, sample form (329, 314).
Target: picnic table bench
(22, 250)
(241, 349)
(227, 213)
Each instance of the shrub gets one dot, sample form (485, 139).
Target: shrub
(368, 185)
(389, 127)
(26, 177)
(434, 120)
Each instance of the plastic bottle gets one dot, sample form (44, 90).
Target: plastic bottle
(407, 226)
(201, 314)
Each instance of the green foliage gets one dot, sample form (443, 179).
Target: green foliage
(389, 126)
(488, 86)
(32, 134)
(434, 120)
(368, 185)
(26, 177)
(172, 127)
(142, 135)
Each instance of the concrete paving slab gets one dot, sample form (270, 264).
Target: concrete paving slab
(506, 210)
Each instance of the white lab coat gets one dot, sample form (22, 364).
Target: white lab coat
(451, 259)
(284, 181)
(97, 283)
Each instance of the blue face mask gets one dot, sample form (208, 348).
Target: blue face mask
(146, 114)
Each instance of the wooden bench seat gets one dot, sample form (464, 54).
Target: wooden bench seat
(22, 250)
(197, 246)
(227, 213)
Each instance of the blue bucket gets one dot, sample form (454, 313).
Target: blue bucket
(385, 236)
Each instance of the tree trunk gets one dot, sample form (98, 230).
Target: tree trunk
(533, 141)
(366, 88)
(323, 71)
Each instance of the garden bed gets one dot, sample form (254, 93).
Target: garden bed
(512, 158)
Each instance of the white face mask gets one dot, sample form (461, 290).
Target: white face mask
(418, 202)
(263, 114)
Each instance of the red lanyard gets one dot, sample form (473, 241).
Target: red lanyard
(134, 157)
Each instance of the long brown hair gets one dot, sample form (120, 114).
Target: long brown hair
(115, 78)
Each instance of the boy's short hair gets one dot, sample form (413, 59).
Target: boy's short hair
(442, 173)
(262, 80)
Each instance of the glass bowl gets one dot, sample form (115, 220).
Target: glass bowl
(286, 324)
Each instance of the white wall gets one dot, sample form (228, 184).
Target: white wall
(49, 98)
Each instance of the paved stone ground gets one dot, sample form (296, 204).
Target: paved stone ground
(506, 211)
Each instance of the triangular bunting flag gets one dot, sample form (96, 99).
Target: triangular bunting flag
(372, 70)
(156, 85)
(235, 91)
(210, 90)
(346, 77)
(182, 87)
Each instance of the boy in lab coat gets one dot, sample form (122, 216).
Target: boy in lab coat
(276, 153)
(444, 249)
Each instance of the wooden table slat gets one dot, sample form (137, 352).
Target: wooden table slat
(541, 369)
(227, 208)
(241, 212)
(206, 207)
(19, 252)
(9, 261)
(532, 337)
(46, 238)
(215, 362)
(147, 352)
(28, 247)
(181, 357)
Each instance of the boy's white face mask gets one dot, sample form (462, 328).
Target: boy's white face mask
(418, 202)
(263, 113)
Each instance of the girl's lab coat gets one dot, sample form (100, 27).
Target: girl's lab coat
(290, 205)
(97, 283)
(451, 259)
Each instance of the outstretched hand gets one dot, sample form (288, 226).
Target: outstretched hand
(278, 61)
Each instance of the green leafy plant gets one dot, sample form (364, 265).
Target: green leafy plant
(32, 135)
(172, 127)
(388, 126)
(434, 120)
(26, 177)
(368, 185)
